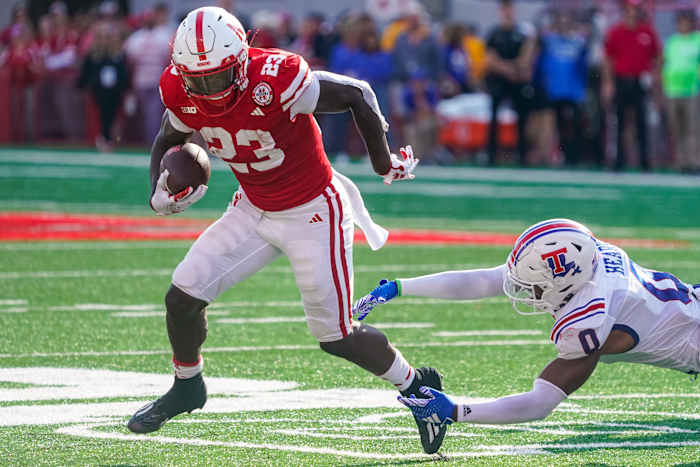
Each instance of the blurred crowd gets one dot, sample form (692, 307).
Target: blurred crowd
(570, 89)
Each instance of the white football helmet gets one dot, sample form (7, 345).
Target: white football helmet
(550, 262)
(210, 52)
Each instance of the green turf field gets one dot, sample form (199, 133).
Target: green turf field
(84, 341)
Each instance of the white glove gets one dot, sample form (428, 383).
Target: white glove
(402, 169)
(163, 203)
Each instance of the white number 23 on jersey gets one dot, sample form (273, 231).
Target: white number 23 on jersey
(220, 143)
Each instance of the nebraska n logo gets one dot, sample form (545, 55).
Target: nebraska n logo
(556, 260)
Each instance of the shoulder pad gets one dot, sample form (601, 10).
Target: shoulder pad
(582, 330)
(280, 77)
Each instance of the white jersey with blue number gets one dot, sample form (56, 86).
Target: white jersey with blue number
(659, 311)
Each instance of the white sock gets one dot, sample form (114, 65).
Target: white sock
(400, 373)
(187, 370)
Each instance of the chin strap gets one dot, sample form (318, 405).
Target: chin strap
(251, 35)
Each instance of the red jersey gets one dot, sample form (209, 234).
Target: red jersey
(632, 50)
(279, 161)
(23, 63)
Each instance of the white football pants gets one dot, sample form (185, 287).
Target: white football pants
(317, 238)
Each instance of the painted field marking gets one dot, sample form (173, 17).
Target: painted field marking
(311, 433)
(252, 304)
(403, 325)
(14, 310)
(494, 332)
(652, 428)
(627, 412)
(157, 314)
(88, 431)
(91, 419)
(550, 176)
(13, 301)
(77, 274)
(53, 172)
(266, 320)
(341, 432)
(33, 226)
(253, 348)
(70, 246)
(81, 273)
(412, 268)
(491, 191)
(632, 396)
(614, 428)
(565, 177)
(302, 319)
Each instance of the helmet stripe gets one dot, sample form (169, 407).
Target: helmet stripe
(542, 229)
(200, 35)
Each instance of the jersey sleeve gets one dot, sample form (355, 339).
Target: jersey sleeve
(306, 104)
(583, 330)
(294, 78)
(166, 87)
(168, 95)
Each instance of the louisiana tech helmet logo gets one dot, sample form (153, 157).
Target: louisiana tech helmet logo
(556, 260)
(262, 94)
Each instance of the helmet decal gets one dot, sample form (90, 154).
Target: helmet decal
(200, 36)
(556, 260)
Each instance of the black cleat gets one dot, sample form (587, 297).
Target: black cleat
(184, 396)
(431, 435)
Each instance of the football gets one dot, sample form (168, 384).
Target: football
(187, 165)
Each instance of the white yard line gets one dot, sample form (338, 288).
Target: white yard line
(413, 269)
(156, 314)
(495, 332)
(253, 348)
(70, 246)
(403, 325)
(553, 176)
(87, 431)
(490, 191)
(693, 416)
(633, 396)
(81, 273)
(53, 172)
(249, 304)
(267, 320)
(302, 319)
(14, 310)
(13, 301)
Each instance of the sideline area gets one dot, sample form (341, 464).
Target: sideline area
(43, 226)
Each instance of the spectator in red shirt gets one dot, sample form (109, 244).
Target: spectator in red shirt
(23, 62)
(19, 16)
(632, 54)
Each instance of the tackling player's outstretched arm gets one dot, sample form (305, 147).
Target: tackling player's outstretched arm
(340, 93)
(471, 284)
(559, 379)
